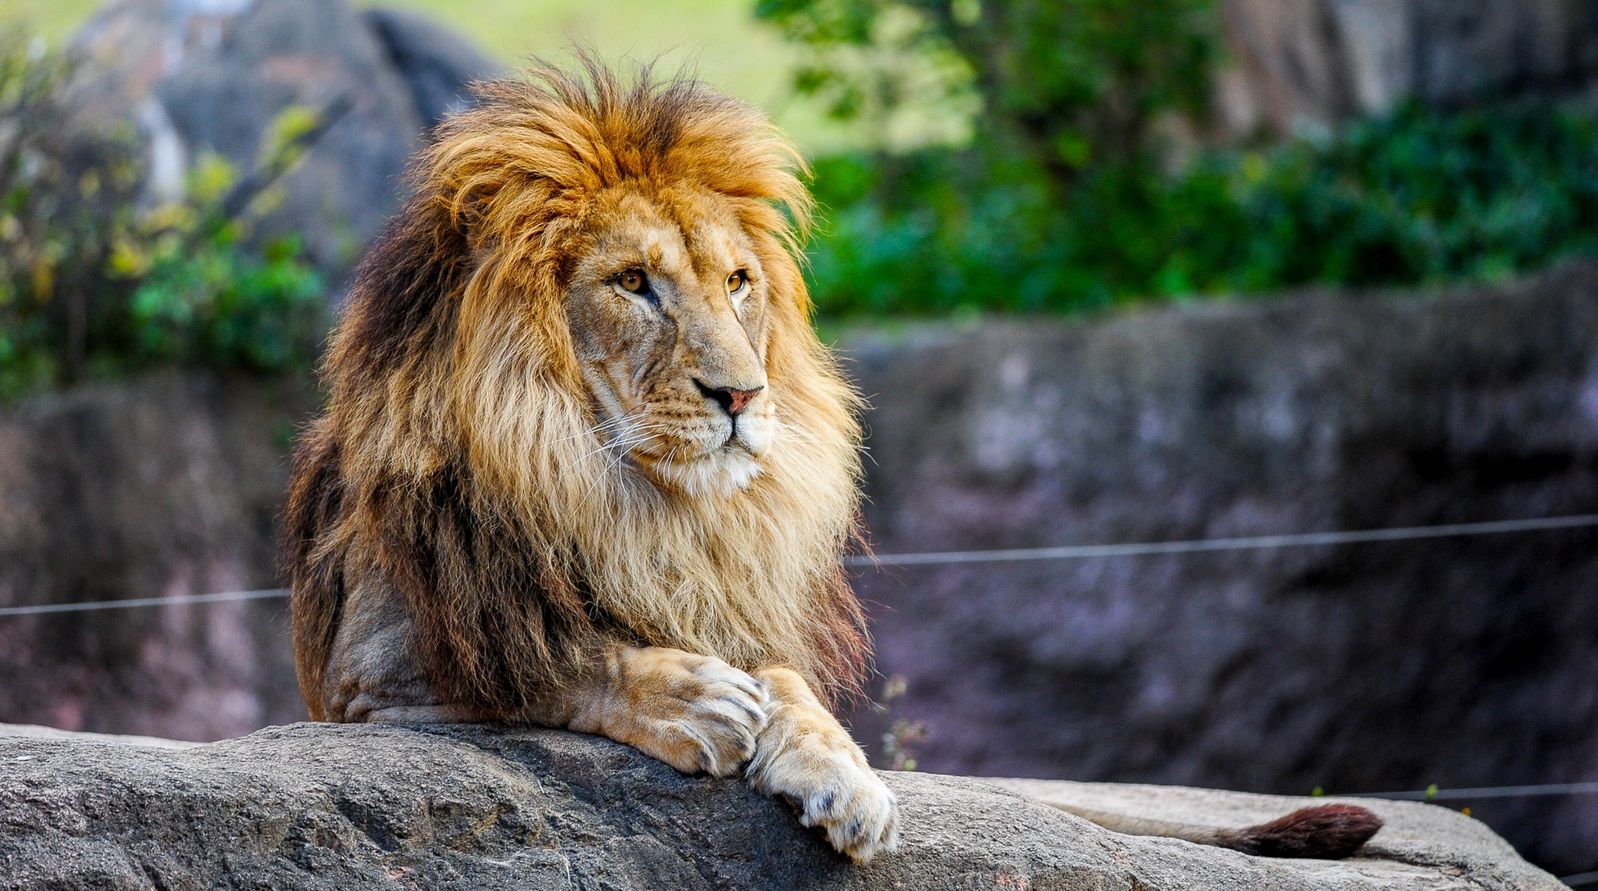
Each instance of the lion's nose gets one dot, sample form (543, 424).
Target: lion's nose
(731, 399)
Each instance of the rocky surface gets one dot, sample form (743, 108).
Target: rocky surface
(324, 806)
(1312, 63)
(212, 76)
(1461, 662)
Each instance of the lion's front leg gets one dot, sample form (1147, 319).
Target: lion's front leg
(696, 713)
(804, 755)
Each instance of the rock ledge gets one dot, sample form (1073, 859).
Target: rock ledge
(329, 806)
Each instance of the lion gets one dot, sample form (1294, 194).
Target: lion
(585, 463)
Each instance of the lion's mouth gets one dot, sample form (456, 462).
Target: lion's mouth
(722, 466)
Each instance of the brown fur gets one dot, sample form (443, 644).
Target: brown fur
(461, 460)
(1328, 831)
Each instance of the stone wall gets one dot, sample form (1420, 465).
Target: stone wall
(153, 488)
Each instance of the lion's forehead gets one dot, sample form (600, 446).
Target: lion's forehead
(675, 233)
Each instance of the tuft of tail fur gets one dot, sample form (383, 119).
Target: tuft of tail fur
(1327, 831)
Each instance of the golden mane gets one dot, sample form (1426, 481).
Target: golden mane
(458, 458)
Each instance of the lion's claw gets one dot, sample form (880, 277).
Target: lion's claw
(722, 716)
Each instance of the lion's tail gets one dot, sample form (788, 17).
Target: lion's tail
(1326, 831)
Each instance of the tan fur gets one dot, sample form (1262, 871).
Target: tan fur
(515, 198)
(696, 713)
(527, 502)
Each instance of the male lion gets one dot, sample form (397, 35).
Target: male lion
(585, 463)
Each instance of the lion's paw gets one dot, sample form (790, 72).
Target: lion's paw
(696, 713)
(858, 811)
(830, 784)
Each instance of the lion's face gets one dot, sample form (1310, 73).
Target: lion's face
(668, 312)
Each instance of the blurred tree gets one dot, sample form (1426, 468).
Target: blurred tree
(1068, 83)
(92, 283)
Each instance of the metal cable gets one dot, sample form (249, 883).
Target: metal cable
(1064, 552)
(91, 605)
(1291, 540)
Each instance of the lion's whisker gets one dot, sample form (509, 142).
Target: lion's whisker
(602, 427)
(625, 441)
(613, 423)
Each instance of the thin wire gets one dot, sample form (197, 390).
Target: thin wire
(1585, 788)
(86, 606)
(1066, 552)
(1307, 539)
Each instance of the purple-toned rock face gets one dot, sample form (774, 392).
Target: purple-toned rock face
(154, 488)
(1461, 662)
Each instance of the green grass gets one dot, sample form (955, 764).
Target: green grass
(720, 39)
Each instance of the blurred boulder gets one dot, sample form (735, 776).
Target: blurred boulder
(1313, 63)
(382, 806)
(1463, 662)
(213, 76)
(435, 63)
(159, 487)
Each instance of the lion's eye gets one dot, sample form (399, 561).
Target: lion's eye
(633, 281)
(737, 281)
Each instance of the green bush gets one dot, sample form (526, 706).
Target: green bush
(94, 285)
(1415, 197)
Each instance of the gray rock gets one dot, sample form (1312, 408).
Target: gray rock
(329, 806)
(1461, 662)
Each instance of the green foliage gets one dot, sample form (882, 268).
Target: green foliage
(225, 306)
(92, 285)
(1415, 197)
(1068, 84)
(1066, 199)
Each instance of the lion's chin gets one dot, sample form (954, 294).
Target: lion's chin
(718, 474)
